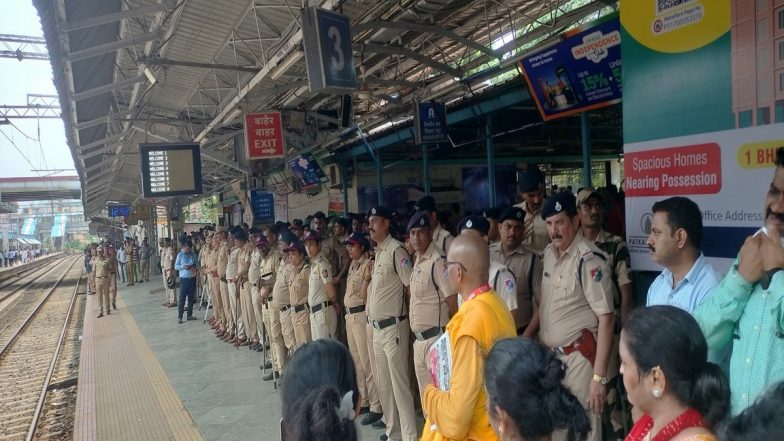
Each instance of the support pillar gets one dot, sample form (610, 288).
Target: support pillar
(379, 180)
(586, 135)
(344, 186)
(490, 158)
(426, 167)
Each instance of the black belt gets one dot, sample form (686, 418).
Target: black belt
(354, 309)
(428, 333)
(298, 308)
(381, 324)
(316, 308)
(285, 308)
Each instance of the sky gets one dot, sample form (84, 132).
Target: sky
(17, 79)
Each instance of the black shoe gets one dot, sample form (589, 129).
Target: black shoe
(260, 348)
(383, 437)
(372, 418)
(179, 321)
(269, 376)
(114, 306)
(253, 346)
(100, 315)
(267, 365)
(190, 317)
(363, 410)
(379, 425)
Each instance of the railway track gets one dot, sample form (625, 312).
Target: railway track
(36, 331)
(30, 278)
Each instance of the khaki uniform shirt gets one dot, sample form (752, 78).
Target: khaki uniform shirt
(357, 271)
(335, 253)
(618, 260)
(167, 260)
(298, 285)
(211, 261)
(571, 303)
(504, 284)
(233, 266)
(527, 270)
(244, 258)
(320, 275)
(540, 239)
(254, 271)
(223, 258)
(442, 239)
(113, 264)
(429, 290)
(391, 275)
(101, 267)
(280, 290)
(129, 253)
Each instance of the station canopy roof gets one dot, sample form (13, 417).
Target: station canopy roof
(135, 71)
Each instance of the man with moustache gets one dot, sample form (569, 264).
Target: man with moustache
(441, 237)
(745, 310)
(387, 314)
(577, 317)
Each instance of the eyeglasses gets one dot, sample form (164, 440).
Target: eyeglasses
(455, 263)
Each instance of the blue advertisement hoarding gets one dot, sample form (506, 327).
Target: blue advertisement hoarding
(580, 73)
(59, 224)
(263, 205)
(306, 169)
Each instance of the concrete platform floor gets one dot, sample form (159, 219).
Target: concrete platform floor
(219, 385)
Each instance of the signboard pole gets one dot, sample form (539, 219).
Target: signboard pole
(426, 165)
(490, 157)
(379, 180)
(344, 186)
(586, 134)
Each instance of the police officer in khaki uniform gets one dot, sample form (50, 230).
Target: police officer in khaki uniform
(260, 251)
(433, 301)
(525, 265)
(577, 316)
(102, 269)
(531, 188)
(232, 271)
(282, 339)
(356, 326)
(270, 311)
(386, 309)
(492, 215)
(441, 237)
(167, 260)
(500, 278)
(224, 251)
(298, 293)
(111, 256)
(322, 293)
(213, 281)
(131, 262)
(246, 296)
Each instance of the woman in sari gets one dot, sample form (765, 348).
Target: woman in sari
(665, 368)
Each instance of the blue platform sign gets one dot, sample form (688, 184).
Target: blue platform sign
(119, 210)
(329, 53)
(430, 123)
(580, 73)
(263, 205)
(307, 170)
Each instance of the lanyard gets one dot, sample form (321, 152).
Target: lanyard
(481, 290)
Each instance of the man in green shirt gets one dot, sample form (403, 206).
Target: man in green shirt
(747, 308)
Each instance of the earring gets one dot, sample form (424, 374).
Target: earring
(657, 393)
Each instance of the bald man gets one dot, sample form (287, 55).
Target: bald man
(460, 412)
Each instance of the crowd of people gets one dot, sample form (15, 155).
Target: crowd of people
(518, 323)
(13, 257)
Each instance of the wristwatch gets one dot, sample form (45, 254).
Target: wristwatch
(599, 379)
(768, 277)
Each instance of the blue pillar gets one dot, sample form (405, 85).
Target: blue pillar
(379, 180)
(490, 157)
(344, 185)
(426, 166)
(586, 134)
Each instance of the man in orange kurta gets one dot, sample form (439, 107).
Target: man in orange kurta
(460, 411)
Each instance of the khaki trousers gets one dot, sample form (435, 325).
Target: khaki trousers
(171, 296)
(301, 324)
(391, 346)
(579, 375)
(372, 356)
(102, 289)
(324, 323)
(259, 313)
(423, 375)
(217, 304)
(236, 313)
(113, 286)
(356, 333)
(274, 324)
(230, 323)
(131, 272)
(287, 329)
(145, 274)
(248, 316)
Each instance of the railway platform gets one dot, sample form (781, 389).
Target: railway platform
(143, 377)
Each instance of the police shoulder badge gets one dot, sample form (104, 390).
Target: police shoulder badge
(596, 274)
(405, 261)
(324, 273)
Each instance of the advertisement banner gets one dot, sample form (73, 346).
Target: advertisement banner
(701, 119)
(307, 170)
(264, 135)
(580, 73)
(430, 123)
(336, 204)
(263, 205)
(59, 224)
(28, 227)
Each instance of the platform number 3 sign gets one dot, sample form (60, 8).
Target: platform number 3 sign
(328, 51)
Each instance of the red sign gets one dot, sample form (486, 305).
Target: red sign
(264, 135)
(688, 170)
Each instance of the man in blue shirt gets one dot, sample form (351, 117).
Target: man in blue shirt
(674, 241)
(187, 265)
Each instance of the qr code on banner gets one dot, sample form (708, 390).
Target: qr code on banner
(664, 5)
